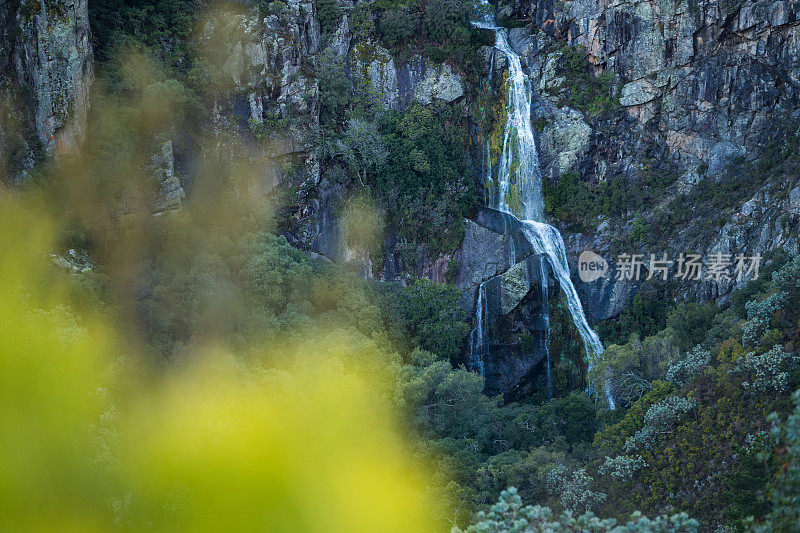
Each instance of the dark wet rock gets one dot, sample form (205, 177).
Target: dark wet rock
(496, 253)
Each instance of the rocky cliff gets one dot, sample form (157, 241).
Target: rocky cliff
(45, 79)
(711, 78)
(704, 98)
(684, 114)
(273, 64)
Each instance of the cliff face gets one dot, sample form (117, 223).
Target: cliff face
(698, 90)
(273, 62)
(266, 63)
(705, 93)
(45, 77)
(711, 78)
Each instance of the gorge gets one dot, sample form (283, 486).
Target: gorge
(312, 264)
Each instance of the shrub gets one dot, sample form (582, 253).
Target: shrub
(570, 199)
(425, 181)
(759, 315)
(631, 367)
(785, 513)
(658, 420)
(509, 515)
(574, 491)
(335, 90)
(767, 371)
(622, 467)
(446, 20)
(585, 91)
(362, 23)
(646, 315)
(684, 369)
(270, 123)
(361, 147)
(329, 13)
(162, 26)
(363, 225)
(278, 7)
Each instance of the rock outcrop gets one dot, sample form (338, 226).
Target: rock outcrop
(170, 193)
(496, 254)
(45, 79)
(397, 84)
(267, 63)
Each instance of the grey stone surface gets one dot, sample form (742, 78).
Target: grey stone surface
(705, 72)
(398, 84)
(170, 194)
(515, 304)
(45, 73)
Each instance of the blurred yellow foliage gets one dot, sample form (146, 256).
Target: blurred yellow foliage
(311, 443)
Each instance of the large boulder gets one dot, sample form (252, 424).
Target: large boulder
(496, 256)
(493, 243)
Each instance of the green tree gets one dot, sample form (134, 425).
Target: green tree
(425, 179)
(335, 90)
(785, 489)
(399, 26)
(431, 313)
(328, 13)
(362, 148)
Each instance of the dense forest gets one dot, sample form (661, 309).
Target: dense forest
(194, 364)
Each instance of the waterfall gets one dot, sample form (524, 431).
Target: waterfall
(491, 67)
(520, 190)
(545, 239)
(476, 345)
(487, 178)
(519, 181)
(546, 337)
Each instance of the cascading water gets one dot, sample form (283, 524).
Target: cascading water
(519, 182)
(476, 345)
(546, 337)
(487, 191)
(520, 189)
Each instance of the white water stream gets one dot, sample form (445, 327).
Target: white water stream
(520, 195)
